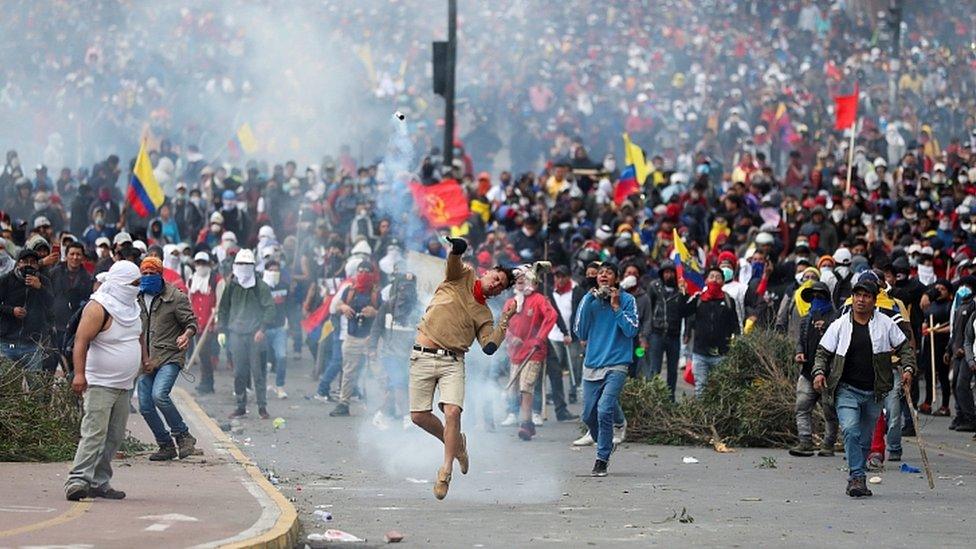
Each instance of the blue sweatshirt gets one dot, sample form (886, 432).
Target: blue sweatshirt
(609, 334)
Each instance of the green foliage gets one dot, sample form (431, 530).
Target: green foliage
(40, 418)
(749, 400)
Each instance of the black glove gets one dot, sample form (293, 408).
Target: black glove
(458, 245)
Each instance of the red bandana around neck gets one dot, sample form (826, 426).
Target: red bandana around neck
(712, 292)
(479, 294)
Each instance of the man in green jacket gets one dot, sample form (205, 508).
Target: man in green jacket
(168, 325)
(853, 365)
(246, 310)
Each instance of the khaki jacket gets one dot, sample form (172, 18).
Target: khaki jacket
(170, 316)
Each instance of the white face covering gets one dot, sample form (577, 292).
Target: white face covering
(628, 282)
(244, 273)
(172, 262)
(117, 295)
(271, 278)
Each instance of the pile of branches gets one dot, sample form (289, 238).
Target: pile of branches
(748, 401)
(40, 418)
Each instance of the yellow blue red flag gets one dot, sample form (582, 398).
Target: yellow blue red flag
(145, 194)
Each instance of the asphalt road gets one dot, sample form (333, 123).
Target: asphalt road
(517, 493)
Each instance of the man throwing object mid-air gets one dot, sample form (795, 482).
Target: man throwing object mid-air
(455, 316)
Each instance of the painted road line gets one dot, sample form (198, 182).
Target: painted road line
(76, 510)
(278, 524)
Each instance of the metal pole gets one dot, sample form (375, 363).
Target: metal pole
(449, 87)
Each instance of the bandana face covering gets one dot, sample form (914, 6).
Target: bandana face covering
(244, 274)
(479, 294)
(151, 284)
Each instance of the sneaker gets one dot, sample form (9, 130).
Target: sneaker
(599, 469)
(526, 431)
(925, 408)
(585, 440)
(826, 450)
(76, 492)
(537, 419)
(341, 410)
(462, 455)
(875, 461)
(894, 455)
(857, 488)
(379, 421)
(566, 416)
(107, 492)
(321, 398)
(442, 484)
(263, 413)
(620, 433)
(240, 412)
(165, 453)
(509, 420)
(280, 392)
(185, 445)
(804, 448)
(942, 412)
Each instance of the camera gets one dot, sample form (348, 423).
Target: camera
(603, 292)
(29, 271)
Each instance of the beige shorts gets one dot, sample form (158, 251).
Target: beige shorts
(429, 372)
(529, 376)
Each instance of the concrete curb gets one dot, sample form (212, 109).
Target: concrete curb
(283, 531)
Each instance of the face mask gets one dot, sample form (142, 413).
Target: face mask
(99, 220)
(40, 205)
(230, 205)
(628, 282)
(757, 270)
(842, 271)
(727, 274)
(271, 278)
(944, 225)
(151, 284)
(837, 215)
(244, 274)
(214, 228)
(203, 271)
(172, 262)
(827, 270)
(799, 278)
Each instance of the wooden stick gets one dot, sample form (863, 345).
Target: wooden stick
(921, 445)
(932, 353)
(850, 157)
(518, 371)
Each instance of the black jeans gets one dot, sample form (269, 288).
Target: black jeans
(554, 371)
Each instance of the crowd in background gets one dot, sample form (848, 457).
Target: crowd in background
(734, 112)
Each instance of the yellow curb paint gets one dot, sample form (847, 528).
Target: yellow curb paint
(284, 534)
(77, 509)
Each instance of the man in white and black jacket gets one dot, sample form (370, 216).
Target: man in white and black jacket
(564, 349)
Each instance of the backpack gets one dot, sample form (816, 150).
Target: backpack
(68, 338)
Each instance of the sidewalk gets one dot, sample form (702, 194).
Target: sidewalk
(218, 499)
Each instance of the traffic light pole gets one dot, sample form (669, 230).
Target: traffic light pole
(449, 87)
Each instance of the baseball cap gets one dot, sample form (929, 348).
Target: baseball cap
(41, 221)
(201, 257)
(102, 241)
(867, 286)
(121, 237)
(244, 257)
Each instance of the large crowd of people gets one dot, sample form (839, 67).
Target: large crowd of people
(784, 224)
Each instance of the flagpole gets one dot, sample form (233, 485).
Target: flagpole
(850, 157)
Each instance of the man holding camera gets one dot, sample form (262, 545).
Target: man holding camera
(607, 323)
(26, 311)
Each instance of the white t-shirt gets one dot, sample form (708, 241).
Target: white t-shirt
(114, 356)
(564, 306)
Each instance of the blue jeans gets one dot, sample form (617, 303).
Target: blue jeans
(333, 367)
(26, 355)
(277, 340)
(601, 400)
(892, 408)
(700, 366)
(154, 392)
(660, 345)
(857, 412)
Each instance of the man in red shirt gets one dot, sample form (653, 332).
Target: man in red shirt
(528, 330)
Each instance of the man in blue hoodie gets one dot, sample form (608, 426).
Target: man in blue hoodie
(606, 323)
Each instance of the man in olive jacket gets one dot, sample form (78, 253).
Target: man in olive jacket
(168, 325)
(246, 310)
(853, 364)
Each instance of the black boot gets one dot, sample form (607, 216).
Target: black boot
(166, 452)
(341, 410)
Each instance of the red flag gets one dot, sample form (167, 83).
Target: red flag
(845, 110)
(443, 204)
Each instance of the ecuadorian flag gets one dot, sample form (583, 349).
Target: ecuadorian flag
(144, 194)
(687, 265)
(243, 141)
